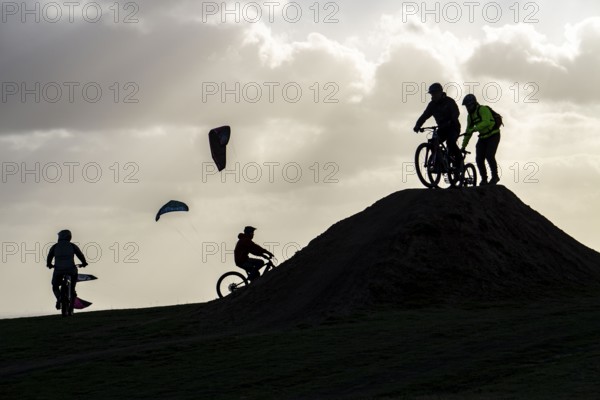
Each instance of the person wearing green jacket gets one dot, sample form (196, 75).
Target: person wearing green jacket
(481, 119)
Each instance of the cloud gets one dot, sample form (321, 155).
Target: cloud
(520, 54)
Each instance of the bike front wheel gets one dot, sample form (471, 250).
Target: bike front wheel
(423, 163)
(229, 282)
(470, 176)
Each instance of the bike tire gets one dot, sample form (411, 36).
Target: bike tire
(451, 177)
(65, 298)
(470, 176)
(435, 171)
(422, 156)
(230, 282)
(456, 173)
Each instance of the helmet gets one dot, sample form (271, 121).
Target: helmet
(249, 229)
(65, 234)
(435, 87)
(469, 99)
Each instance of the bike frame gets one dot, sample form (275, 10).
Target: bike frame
(440, 151)
(242, 281)
(269, 265)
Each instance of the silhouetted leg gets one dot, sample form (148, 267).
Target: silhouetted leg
(56, 286)
(453, 148)
(480, 153)
(252, 266)
(73, 292)
(490, 156)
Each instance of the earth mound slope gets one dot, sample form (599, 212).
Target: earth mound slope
(420, 246)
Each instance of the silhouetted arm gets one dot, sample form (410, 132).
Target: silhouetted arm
(259, 251)
(428, 113)
(80, 255)
(50, 256)
(468, 133)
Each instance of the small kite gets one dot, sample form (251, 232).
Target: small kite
(85, 277)
(172, 205)
(218, 139)
(80, 304)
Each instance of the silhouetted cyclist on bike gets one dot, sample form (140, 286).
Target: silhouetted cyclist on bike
(445, 112)
(63, 252)
(244, 247)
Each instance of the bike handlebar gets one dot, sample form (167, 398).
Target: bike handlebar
(428, 128)
(77, 265)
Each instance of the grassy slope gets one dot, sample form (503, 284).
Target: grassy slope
(543, 350)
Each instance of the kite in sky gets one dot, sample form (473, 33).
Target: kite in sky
(85, 277)
(218, 139)
(80, 304)
(172, 205)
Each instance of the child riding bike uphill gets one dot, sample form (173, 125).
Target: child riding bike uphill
(63, 252)
(244, 247)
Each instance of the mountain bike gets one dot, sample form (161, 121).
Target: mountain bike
(433, 162)
(233, 281)
(67, 294)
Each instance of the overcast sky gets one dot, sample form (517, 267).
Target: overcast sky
(106, 107)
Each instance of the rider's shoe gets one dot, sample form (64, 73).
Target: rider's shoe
(494, 180)
(483, 182)
(58, 305)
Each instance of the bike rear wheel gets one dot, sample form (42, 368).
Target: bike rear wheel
(422, 164)
(229, 282)
(470, 176)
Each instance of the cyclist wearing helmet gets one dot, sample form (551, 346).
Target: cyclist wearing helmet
(445, 112)
(246, 246)
(481, 119)
(63, 252)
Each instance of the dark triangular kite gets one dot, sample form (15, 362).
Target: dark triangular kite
(85, 277)
(218, 139)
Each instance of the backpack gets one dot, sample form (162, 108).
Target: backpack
(497, 118)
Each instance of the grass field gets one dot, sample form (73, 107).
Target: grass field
(542, 350)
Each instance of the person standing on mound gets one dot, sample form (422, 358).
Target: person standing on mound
(482, 119)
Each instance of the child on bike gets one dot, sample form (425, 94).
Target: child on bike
(63, 252)
(244, 247)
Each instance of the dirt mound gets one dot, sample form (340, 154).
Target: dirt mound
(420, 246)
